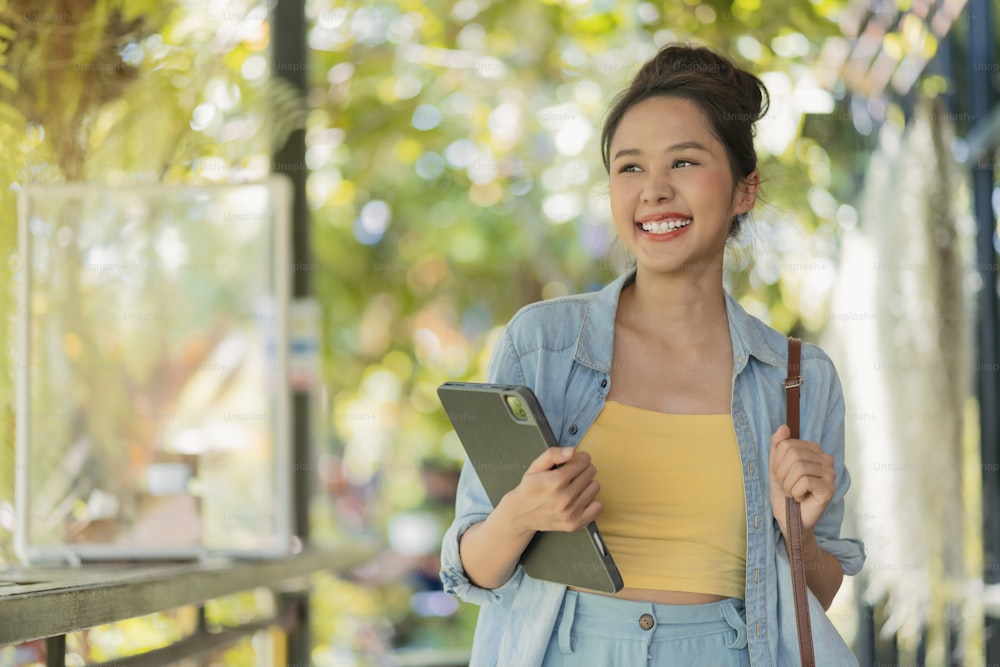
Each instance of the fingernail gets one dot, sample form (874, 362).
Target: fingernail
(567, 452)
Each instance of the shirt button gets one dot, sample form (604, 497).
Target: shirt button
(646, 621)
(572, 429)
(604, 383)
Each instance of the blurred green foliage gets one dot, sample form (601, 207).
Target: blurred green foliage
(455, 176)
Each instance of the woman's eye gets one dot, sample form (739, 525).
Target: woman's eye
(681, 163)
(628, 168)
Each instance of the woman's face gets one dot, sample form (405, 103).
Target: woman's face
(672, 193)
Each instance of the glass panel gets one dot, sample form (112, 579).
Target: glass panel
(156, 394)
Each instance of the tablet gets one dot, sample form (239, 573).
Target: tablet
(503, 430)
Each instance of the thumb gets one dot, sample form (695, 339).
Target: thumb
(783, 433)
(550, 458)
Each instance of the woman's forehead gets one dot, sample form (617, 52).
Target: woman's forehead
(666, 120)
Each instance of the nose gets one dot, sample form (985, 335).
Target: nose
(657, 188)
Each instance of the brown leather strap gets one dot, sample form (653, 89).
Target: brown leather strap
(793, 515)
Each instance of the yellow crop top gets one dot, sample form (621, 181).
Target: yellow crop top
(674, 515)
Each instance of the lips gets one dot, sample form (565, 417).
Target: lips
(664, 226)
(663, 223)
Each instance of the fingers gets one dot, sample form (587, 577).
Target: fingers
(806, 474)
(560, 471)
(590, 512)
(568, 492)
(806, 464)
(810, 488)
(787, 452)
(550, 458)
(579, 480)
(584, 506)
(783, 433)
(801, 468)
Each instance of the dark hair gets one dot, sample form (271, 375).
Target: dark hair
(732, 99)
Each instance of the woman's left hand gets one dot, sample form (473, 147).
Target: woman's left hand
(802, 470)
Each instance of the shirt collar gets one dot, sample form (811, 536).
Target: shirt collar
(596, 340)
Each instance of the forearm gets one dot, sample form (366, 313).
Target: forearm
(491, 549)
(823, 572)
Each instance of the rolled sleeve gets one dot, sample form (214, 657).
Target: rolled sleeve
(849, 551)
(472, 505)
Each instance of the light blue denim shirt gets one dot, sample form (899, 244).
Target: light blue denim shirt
(561, 349)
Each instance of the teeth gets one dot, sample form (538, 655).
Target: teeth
(665, 226)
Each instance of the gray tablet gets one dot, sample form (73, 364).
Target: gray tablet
(503, 430)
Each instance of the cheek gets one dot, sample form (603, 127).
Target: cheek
(622, 197)
(719, 181)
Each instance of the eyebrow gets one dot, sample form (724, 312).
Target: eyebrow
(676, 147)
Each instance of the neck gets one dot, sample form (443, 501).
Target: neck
(685, 309)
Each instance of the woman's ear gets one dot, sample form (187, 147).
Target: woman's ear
(746, 193)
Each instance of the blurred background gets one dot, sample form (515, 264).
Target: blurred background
(453, 175)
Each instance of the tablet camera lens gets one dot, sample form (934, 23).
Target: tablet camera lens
(517, 408)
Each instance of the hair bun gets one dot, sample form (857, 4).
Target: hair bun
(696, 64)
(750, 94)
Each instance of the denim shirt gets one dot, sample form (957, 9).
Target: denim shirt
(562, 348)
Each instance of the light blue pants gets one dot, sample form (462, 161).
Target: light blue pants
(601, 631)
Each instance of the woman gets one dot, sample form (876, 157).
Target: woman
(663, 388)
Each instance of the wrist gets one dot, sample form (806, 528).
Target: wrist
(510, 519)
(810, 547)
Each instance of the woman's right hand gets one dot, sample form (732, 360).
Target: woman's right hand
(557, 492)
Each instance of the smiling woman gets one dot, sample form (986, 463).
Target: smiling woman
(680, 175)
(715, 106)
(663, 388)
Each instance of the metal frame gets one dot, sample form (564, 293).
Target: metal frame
(290, 62)
(983, 139)
(290, 58)
(196, 644)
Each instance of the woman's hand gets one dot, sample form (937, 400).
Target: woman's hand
(556, 493)
(555, 498)
(802, 470)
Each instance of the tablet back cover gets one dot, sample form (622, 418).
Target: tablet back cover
(501, 447)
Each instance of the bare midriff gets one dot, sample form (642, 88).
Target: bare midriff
(658, 597)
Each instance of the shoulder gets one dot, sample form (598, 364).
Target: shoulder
(817, 358)
(771, 346)
(818, 369)
(553, 324)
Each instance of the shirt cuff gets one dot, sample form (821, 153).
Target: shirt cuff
(453, 577)
(849, 551)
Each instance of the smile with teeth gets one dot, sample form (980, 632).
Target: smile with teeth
(664, 226)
